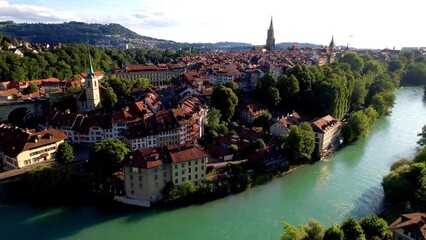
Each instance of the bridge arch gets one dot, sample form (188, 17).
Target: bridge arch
(22, 117)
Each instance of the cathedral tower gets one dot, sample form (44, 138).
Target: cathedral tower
(270, 40)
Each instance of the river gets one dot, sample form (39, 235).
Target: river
(344, 184)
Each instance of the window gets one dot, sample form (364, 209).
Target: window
(196, 176)
(131, 177)
(196, 168)
(202, 167)
(189, 177)
(135, 170)
(140, 185)
(202, 160)
(176, 173)
(183, 171)
(156, 177)
(189, 170)
(164, 174)
(189, 163)
(176, 181)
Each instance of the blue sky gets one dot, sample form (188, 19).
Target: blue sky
(361, 23)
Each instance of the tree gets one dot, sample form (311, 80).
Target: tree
(292, 233)
(395, 65)
(65, 153)
(300, 143)
(374, 227)
(333, 233)
(233, 148)
(263, 120)
(314, 230)
(272, 97)
(225, 100)
(109, 99)
(288, 87)
(105, 157)
(259, 144)
(213, 119)
(232, 85)
(352, 229)
(383, 102)
(373, 66)
(32, 88)
(142, 83)
(43, 183)
(422, 135)
(356, 62)
(357, 127)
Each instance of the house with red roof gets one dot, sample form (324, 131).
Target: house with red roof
(410, 226)
(327, 133)
(21, 147)
(148, 170)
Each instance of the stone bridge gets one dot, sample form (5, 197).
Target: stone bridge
(21, 109)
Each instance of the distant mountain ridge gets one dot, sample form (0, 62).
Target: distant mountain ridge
(109, 35)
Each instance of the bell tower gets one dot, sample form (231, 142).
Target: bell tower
(93, 100)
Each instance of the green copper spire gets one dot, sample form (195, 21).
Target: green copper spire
(90, 71)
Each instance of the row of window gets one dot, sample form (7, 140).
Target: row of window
(43, 150)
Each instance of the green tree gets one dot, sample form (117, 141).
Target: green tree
(109, 99)
(105, 157)
(374, 227)
(263, 120)
(422, 135)
(352, 229)
(356, 62)
(300, 143)
(232, 85)
(395, 65)
(358, 127)
(314, 230)
(213, 119)
(288, 88)
(373, 66)
(142, 83)
(65, 153)
(233, 149)
(259, 144)
(401, 162)
(43, 183)
(272, 97)
(333, 233)
(383, 102)
(32, 88)
(292, 233)
(225, 100)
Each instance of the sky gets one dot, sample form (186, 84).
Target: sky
(359, 23)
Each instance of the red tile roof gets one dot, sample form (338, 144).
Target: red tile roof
(184, 153)
(414, 223)
(144, 158)
(325, 123)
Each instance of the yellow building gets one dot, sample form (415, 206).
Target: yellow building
(159, 75)
(327, 133)
(148, 170)
(20, 147)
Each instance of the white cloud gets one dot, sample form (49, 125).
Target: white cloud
(31, 13)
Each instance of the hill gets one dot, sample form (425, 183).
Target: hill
(108, 35)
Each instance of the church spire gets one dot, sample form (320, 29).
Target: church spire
(332, 44)
(270, 40)
(90, 70)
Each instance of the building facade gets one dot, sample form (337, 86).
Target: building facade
(159, 76)
(21, 147)
(148, 170)
(327, 133)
